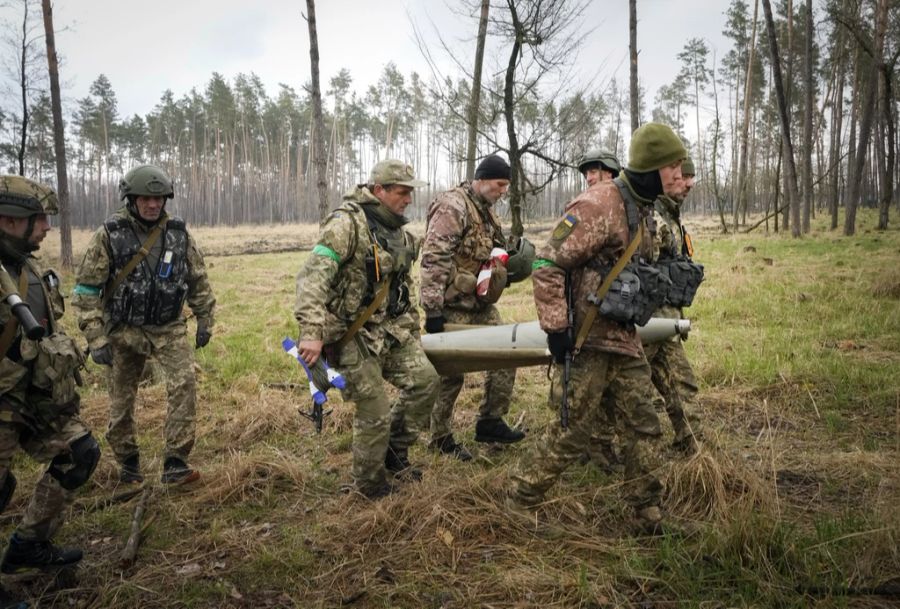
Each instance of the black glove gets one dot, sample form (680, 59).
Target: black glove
(435, 324)
(102, 355)
(559, 344)
(203, 336)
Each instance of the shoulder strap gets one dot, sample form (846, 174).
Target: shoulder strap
(585, 327)
(12, 324)
(364, 316)
(146, 246)
(632, 214)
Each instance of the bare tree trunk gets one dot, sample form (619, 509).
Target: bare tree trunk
(837, 117)
(515, 190)
(745, 126)
(791, 169)
(475, 98)
(59, 142)
(23, 86)
(632, 44)
(807, 119)
(319, 130)
(867, 115)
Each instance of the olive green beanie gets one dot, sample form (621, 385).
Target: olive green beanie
(654, 145)
(687, 167)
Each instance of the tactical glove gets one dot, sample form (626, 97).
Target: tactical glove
(559, 344)
(102, 355)
(435, 324)
(203, 336)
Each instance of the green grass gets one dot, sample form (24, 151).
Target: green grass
(796, 345)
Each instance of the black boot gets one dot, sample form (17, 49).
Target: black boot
(26, 554)
(131, 471)
(496, 430)
(396, 461)
(176, 471)
(446, 445)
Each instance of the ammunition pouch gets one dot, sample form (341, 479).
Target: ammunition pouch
(463, 284)
(685, 276)
(55, 369)
(398, 297)
(634, 295)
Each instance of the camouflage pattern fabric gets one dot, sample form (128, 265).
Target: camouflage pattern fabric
(45, 512)
(594, 373)
(462, 229)
(132, 344)
(131, 347)
(333, 289)
(498, 384)
(38, 402)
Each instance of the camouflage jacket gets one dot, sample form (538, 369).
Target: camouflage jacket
(462, 229)
(38, 377)
(336, 284)
(586, 243)
(98, 269)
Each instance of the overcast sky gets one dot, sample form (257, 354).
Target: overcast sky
(145, 47)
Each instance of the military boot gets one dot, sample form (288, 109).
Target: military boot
(26, 554)
(446, 445)
(397, 462)
(176, 471)
(496, 430)
(131, 471)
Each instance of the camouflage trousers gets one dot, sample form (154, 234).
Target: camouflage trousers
(131, 347)
(498, 384)
(627, 381)
(674, 378)
(45, 512)
(379, 422)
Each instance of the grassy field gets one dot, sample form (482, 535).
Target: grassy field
(792, 502)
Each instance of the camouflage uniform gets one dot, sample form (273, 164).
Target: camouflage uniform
(591, 237)
(461, 232)
(139, 323)
(333, 289)
(39, 404)
(672, 372)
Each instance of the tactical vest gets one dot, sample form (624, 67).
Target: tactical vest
(676, 264)
(152, 294)
(640, 289)
(402, 248)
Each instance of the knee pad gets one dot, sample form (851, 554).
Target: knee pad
(75, 468)
(7, 490)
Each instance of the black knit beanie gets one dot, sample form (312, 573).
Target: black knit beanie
(493, 167)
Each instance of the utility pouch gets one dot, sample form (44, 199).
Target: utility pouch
(686, 277)
(463, 284)
(56, 363)
(373, 267)
(10, 374)
(635, 294)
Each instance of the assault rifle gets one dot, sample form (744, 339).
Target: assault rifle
(9, 294)
(570, 352)
(321, 378)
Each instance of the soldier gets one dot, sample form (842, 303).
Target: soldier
(600, 226)
(137, 272)
(672, 372)
(462, 229)
(353, 302)
(38, 401)
(599, 166)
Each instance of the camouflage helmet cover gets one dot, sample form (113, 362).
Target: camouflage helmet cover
(21, 198)
(606, 159)
(146, 181)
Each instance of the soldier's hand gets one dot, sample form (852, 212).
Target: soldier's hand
(310, 350)
(102, 355)
(435, 324)
(559, 344)
(203, 336)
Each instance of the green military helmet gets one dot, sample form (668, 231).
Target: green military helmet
(604, 158)
(521, 256)
(146, 181)
(21, 198)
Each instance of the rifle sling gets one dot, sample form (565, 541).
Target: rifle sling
(588, 321)
(363, 317)
(12, 324)
(146, 246)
